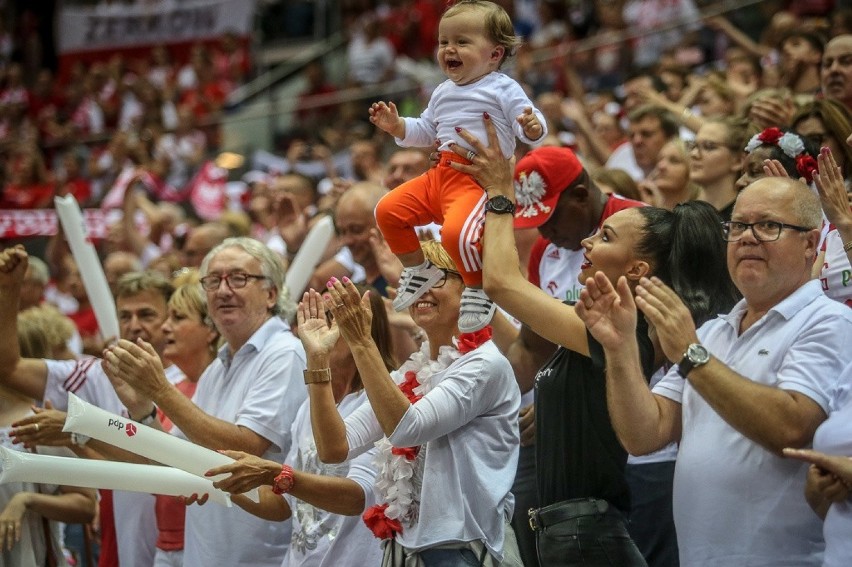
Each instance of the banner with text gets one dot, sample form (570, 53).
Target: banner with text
(43, 222)
(96, 28)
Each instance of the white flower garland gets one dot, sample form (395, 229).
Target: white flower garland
(790, 144)
(399, 480)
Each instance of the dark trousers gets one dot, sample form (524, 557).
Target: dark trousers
(586, 532)
(526, 497)
(651, 521)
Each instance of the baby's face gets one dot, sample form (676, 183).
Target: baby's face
(465, 52)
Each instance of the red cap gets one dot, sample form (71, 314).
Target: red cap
(540, 178)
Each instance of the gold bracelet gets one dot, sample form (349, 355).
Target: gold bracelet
(848, 246)
(319, 376)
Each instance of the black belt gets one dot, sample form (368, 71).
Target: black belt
(543, 518)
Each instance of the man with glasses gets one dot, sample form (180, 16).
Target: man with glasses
(246, 399)
(746, 385)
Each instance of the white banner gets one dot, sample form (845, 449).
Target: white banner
(91, 28)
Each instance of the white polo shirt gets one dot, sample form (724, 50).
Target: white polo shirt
(261, 388)
(735, 502)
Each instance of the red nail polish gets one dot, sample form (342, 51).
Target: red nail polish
(458, 129)
(486, 116)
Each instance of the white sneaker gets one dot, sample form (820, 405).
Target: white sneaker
(476, 310)
(413, 283)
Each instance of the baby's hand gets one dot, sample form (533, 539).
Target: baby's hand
(529, 122)
(386, 117)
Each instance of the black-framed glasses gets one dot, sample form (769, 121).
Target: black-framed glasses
(443, 280)
(763, 231)
(236, 280)
(704, 145)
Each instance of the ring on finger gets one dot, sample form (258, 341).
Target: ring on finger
(470, 155)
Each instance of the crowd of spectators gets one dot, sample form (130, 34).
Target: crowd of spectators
(663, 101)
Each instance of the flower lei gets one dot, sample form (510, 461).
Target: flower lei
(400, 476)
(791, 145)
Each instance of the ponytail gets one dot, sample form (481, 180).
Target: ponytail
(687, 252)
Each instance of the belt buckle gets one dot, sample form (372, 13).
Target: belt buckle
(532, 519)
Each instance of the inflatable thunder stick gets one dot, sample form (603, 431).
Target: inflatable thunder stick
(17, 466)
(91, 271)
(86, 419)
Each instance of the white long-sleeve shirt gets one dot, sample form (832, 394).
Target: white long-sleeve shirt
(468, 422)
(462, 106)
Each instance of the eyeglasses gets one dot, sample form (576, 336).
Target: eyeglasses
(443, 280)
(704, 145)
(763, 231)
(237, 280)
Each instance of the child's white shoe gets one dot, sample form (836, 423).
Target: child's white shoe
(476, 310)
(413, 283)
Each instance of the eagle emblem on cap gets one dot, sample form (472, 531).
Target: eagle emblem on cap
(530, 188)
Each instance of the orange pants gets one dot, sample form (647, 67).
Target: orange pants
(447, 197)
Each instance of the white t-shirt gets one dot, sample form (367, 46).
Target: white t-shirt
(834, 437)
(135, 523)
(320, 538)
(624, 158)
(453, 105)
(735, 502)
(469, 423)
(260, 388)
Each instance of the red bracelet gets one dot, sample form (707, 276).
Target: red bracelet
(285, 481)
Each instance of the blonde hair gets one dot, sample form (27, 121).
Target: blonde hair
(57, 328)
(435, 253)
(497, 23)
(32, 340)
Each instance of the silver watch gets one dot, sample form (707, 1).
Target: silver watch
(696, 355)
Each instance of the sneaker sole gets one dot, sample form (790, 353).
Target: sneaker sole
(424, 287)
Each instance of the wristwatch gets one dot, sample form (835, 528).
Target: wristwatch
(696, 355)
(284, 482)
(500, 205)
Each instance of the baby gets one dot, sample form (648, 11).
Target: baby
(474, 39)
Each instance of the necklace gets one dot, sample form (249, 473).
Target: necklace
(400, 469)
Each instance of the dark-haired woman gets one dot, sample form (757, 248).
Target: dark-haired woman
(580, 462)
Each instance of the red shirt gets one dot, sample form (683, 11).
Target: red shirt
(170, 511)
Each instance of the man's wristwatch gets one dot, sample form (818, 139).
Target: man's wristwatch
(696, 355)
(500, 205)
(148, 419)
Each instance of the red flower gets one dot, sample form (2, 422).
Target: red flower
(408, 386)
(806, 166)
(410, 453)
(472, 341)
(770, 136)
(381, 526)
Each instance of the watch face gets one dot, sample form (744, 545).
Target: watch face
(697, 354)
(500, 204)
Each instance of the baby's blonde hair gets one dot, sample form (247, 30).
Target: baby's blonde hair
(498, 24)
